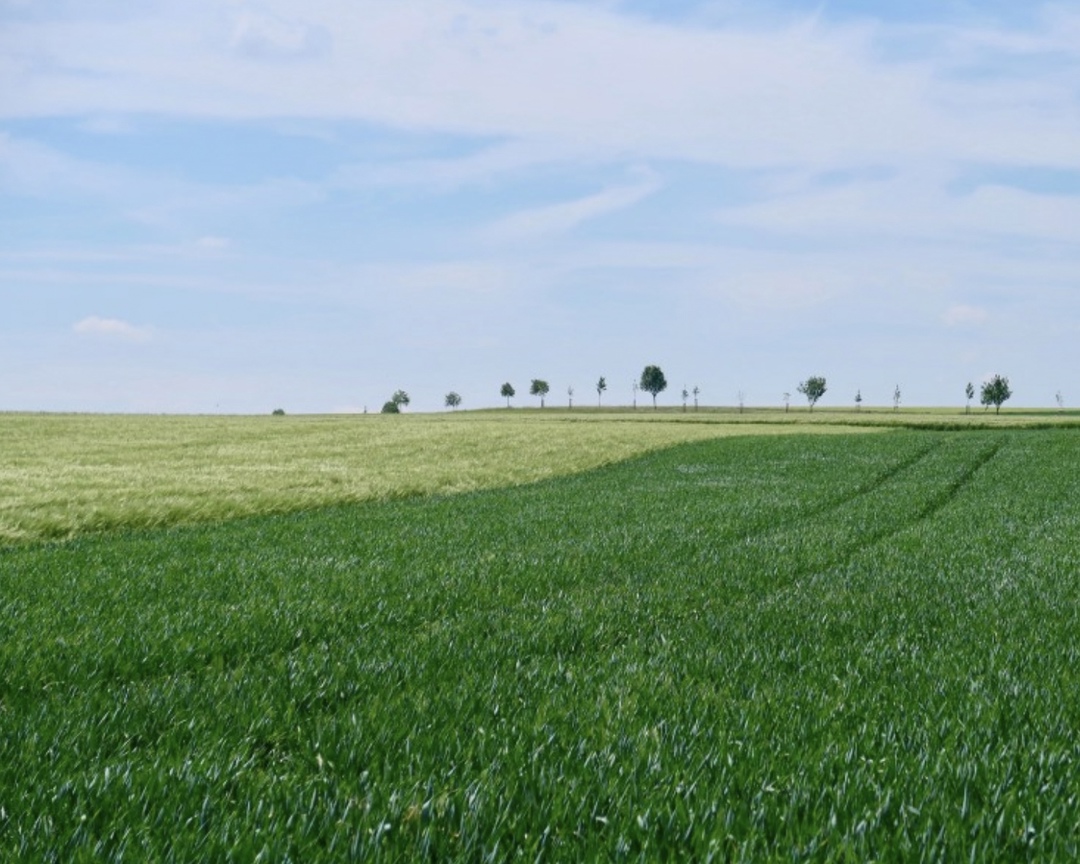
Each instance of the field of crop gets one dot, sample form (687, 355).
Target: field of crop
(65, 475)
(800, 647)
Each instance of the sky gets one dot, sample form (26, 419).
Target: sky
(233, 206)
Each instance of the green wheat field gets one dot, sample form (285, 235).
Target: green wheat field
(540, 636)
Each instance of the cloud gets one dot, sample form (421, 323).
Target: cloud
(268, 37)
(105, 125)
(113, 328)
(961, 315)
(492, 162)
(580, 77)
(28, 167)
(911, 205)
(567, 215)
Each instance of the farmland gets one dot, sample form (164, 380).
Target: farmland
(66, 475)
(778, 647)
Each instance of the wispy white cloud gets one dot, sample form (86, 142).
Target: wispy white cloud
(211, 243)
(795, 91)
(113, 328)
(270, 37)
(35, 169)
(962, 314)
(168, 202)
(912, 205)
(559, 218)
(107, 125)
(29, 167)
(491, 163)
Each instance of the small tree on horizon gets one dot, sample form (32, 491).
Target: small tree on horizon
(390, 407)
(601, 386)
(653, 382)
(507, 392)
(697, 390)
(741, 396)
(813, 388)
(635, 385)
(570, 395)
(995, 392)
(540, 388)
(969, 391)
(896, 398)
(452, 400)
(685, 397)
(858, 400)
(400, 398)
(787, 401)
(1060, 400)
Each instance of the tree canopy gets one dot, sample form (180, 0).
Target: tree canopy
(507, 392)
(653, 382)
(452, 400)
(813, 388)
(540, 388)
(995, 392)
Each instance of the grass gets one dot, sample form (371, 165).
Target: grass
(66, 475)
(801, 647)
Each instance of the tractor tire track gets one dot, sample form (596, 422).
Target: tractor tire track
(934, 505)
(853, 542)
(864, 489)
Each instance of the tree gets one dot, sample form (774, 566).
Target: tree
(508, 392)
(896, 398)
(969, 391)
(787, 401)
(601, 386)
(741, 396)
(539, 388)
(995, 392)
(858, 400)
(570, 394)
(395, 403)
(697, 390)
(1060, 400)
(635, 395)
(685, 397)
(813, 388)
(653, 382)
(453, 400)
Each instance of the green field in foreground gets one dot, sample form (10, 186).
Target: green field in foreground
(750, 648)
(64, 475)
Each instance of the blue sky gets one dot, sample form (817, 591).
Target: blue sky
(235, 206)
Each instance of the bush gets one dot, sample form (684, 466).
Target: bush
(279, 412)
(391, 407)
